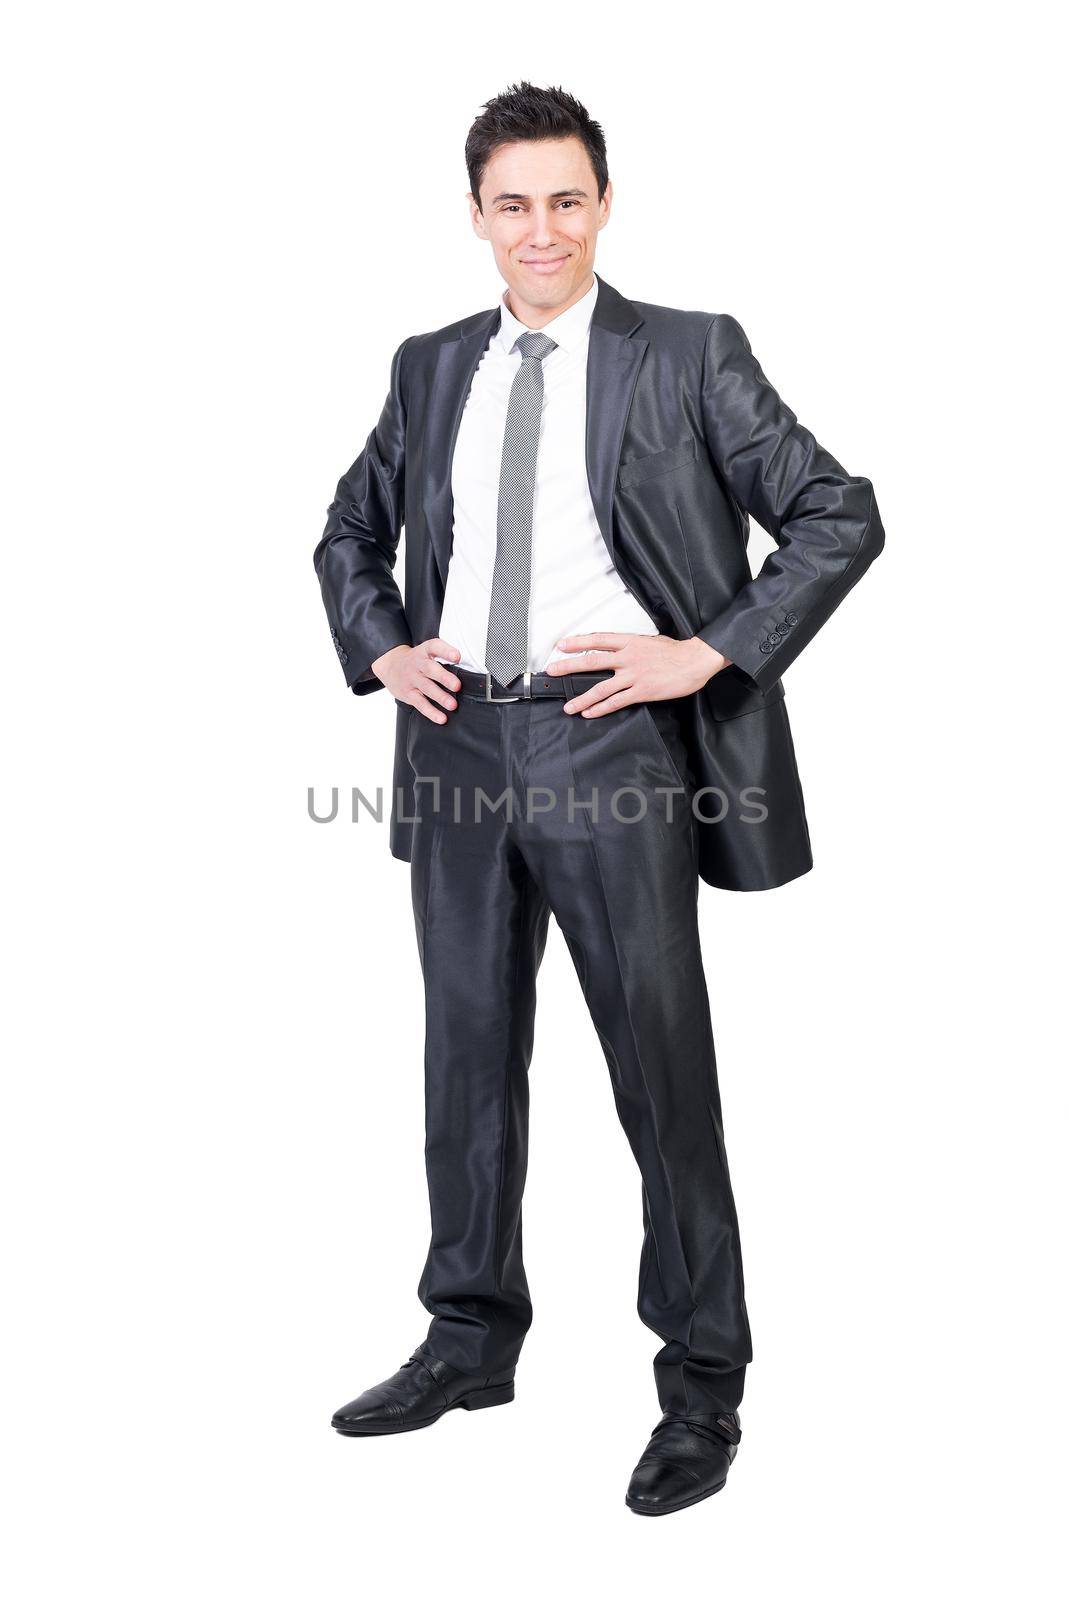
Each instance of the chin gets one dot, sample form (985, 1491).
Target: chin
(559, 288)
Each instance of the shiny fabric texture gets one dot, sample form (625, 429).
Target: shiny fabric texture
(685, 440)
(622, 884)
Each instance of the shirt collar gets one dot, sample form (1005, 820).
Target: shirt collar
(569, 329)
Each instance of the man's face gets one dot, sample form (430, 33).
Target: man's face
(542, 217)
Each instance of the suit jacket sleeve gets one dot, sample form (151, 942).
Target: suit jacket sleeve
(356, 555)
(825, 523)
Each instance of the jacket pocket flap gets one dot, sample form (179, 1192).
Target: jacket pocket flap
(638, 469)
(729, 694)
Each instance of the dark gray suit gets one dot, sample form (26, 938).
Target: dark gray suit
(684, 438)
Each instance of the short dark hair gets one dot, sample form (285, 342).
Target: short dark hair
(525, 112)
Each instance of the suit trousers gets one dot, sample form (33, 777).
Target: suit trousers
(525, 811)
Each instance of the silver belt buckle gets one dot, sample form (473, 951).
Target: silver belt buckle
(497, 699)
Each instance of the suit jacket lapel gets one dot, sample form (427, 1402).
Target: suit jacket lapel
(457, 364)
(612, 370)
(611, 373)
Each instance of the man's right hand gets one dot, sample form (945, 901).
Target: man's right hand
(411, 674)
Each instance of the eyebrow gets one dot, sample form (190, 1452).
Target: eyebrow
(558, 194)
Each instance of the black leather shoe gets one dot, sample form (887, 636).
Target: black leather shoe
(686, 1460)
(421, 1392)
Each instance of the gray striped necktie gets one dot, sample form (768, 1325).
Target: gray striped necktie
(506, 635)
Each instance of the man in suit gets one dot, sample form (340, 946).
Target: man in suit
(575, 473)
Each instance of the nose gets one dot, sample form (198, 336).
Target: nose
(541, 236)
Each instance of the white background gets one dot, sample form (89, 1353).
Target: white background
(223, 221)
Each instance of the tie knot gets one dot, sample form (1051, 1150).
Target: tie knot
(536, 345)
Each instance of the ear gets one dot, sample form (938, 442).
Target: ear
(476, 216)
(606, 205)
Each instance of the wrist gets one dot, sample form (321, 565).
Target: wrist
(708, 660)
(383, 662)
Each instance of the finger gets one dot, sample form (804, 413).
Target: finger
(587, 661)
(592, 661)
(419, 702)
(435, 670)
(434, 691)
(614, 702)
(594, 641)
(600, 691)
(441, 647)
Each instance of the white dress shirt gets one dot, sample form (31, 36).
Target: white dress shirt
(574, 588)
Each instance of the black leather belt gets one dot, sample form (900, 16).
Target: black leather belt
(531, 686)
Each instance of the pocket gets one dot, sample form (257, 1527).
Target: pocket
(665, 726)
(729, 694)
(638, 469)
(422, 744)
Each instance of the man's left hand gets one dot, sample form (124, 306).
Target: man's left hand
(645, 667)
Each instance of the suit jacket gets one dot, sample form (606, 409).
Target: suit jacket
(685, 440)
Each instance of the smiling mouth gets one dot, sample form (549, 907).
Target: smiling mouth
(549, 264)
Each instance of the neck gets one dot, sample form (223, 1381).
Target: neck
(538, 316)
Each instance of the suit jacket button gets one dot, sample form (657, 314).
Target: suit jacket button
(790, 618)
(781, 629)
(766, 648)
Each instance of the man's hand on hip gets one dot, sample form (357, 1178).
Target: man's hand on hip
(645, 667)
(411, 674)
